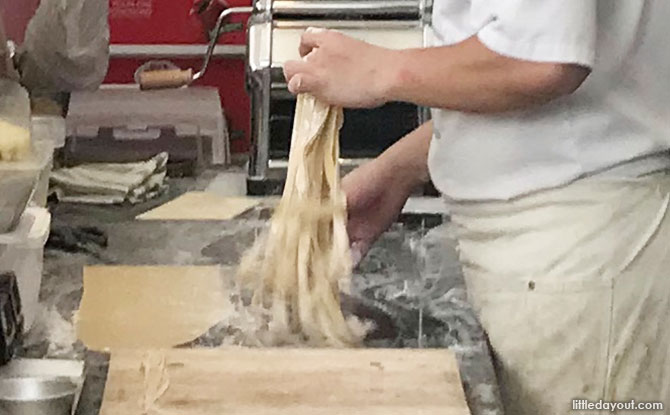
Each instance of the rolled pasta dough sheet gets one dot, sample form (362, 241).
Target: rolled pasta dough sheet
(149, 307)
(200, 206)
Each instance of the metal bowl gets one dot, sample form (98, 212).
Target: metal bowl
(36, 396)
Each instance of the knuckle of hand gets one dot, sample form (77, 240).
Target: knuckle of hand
(288, 69)
(315, 58)
(332, 36)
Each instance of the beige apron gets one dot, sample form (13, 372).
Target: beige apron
(573, 288)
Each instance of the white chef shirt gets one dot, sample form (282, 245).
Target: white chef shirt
(617, 123)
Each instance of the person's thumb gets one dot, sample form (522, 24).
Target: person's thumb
(302, 83)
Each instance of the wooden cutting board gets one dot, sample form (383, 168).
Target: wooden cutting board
(290, 381)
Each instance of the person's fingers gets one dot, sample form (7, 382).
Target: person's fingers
(300, 78)
(303, 83)
(294, 84)
(311, 39)
(292, 68)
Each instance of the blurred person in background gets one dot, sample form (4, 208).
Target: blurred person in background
(65, 46)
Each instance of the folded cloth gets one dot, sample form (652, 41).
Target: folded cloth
(111, 183)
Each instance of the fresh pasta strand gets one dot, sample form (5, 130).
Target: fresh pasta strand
(297, 269)
(155, 381)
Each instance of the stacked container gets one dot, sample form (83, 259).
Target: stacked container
(23, 230)
(23, 181)
(22, 252)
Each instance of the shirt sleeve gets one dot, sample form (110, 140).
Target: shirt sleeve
(561, 31)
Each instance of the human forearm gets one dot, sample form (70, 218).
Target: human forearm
(394, 175)
(465, 77)
(406, 162)
(470, 77)
(378, 190)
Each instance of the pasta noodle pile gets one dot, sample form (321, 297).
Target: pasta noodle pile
(297, 269)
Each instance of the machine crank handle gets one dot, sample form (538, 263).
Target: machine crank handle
(177, 78)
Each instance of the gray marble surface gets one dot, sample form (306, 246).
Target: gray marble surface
(411, 275)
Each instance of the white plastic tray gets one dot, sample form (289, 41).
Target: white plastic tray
(22, 252)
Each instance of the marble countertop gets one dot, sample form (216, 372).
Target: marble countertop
(389, 277)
